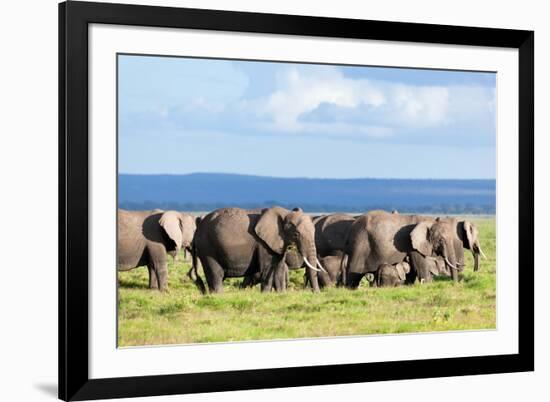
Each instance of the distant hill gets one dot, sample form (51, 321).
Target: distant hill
(208, 191)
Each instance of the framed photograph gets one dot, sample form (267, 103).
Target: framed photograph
(259, 201)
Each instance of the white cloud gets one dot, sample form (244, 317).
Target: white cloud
(417, 105)
(300, 93)
(321, 100)
(363, 107)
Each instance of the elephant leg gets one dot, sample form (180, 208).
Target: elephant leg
(353, 280)
(161, 269)
(267, 284)
(214, 274)
(279, 283)
(410, 278)
(280, 277)
(268, 267)
(250, 281)
(324, 279)
(454, 275)
(306, 281)
(153, 279)
(313, 279)
(357, 266)
(247, 282)
(321, 280)
(158, 274)
(421, 267)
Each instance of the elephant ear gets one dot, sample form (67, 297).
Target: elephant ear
(420, 238)
(470, 231)
(172, 225)
(188, 227)
(402, 270)
(433, 266)
(270, 228)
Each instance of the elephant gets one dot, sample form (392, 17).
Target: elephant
(146, 237)
(234, 242)
(389, 275)
(293, 260)
(333, 266)
(427, 267)
(331, 232)
(330, 239)
(379, 237)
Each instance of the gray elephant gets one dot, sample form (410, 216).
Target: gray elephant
(331, 232)
(146, 237)
(333, 265)
(392, 275)
(233, 242)
(293, 260)
(379, 237)
(330, 239)
(427, 267)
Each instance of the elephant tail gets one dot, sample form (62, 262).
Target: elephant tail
(194, 273)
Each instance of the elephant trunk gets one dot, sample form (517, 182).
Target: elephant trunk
(309, 252)
(477, 251)
(476, 261)
(451, 261)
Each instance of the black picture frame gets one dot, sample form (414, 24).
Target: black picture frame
(74, 18)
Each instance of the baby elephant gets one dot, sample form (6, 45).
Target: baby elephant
(333, 275)
(392, 275)
(333, 266)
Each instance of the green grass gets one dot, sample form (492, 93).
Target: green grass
(183, 315)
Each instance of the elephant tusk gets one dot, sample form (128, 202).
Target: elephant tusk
(482, 253)
(450, 265)
(321, 267)
(311, 266)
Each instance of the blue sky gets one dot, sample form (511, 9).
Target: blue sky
(183, 115)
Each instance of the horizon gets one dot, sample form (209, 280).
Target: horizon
(309, 178)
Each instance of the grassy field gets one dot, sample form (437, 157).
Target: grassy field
(183, 315)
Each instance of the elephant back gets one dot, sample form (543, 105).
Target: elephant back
(331, 232)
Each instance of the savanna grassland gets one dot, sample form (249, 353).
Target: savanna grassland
(183, 315)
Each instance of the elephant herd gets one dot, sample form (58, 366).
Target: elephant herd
(262, 245)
